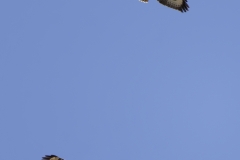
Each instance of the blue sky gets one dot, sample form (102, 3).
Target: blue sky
(119, 80)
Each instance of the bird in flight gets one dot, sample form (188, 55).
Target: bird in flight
(51, 157)
(180, 5)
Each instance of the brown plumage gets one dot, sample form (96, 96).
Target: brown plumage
(180, 5)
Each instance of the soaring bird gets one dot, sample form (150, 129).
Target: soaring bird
(180, 5)
(51, 157)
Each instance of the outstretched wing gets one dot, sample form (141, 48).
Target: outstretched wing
(51, 157)
(180, 5)
(144, 1)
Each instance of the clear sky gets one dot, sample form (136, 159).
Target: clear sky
(119, 80)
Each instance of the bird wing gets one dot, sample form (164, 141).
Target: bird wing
(51, 157)
(180, 5)
(144, 1)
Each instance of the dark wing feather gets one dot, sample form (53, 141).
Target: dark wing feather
(183, 7)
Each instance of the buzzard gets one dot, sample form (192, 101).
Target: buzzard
(51, 157)
(180, 5)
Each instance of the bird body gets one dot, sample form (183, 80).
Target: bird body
(180, 5)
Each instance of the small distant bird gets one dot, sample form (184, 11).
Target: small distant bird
(51, 157)
(180, 5)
